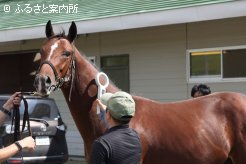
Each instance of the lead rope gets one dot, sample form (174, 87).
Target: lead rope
(16, 122)
(26, 117)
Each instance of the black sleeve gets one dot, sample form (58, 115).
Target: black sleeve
(99, 153)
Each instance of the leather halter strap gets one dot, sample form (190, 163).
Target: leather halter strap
(60, 81)
(52, 67)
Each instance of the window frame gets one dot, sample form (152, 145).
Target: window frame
(210, 78)
(117, 67)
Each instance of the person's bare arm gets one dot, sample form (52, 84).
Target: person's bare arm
(15, 99)
(102, 106)
(26, 143)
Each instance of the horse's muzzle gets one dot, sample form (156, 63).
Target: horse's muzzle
(43, 85)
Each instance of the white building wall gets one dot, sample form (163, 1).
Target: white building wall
(219, 33)
(158, 68)
(157, 58)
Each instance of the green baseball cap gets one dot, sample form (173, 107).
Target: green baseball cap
(120, 105)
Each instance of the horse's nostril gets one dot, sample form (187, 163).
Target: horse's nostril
(48, 80)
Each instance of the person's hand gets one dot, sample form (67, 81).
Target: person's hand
(102, 106)
(15, 99)
(28, 143)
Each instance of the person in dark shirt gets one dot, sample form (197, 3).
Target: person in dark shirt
(200, 90)
(120, 144)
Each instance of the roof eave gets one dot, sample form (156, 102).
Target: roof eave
(166, 17)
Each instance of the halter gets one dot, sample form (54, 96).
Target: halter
(61, 80)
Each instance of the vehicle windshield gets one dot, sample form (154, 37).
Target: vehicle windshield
(39, 108)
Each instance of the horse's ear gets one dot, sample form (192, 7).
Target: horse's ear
(49, 30)
(72, 32)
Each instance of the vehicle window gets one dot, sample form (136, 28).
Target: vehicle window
(38, 108)
(41, 110)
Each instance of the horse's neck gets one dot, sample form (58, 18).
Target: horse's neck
(84, 93)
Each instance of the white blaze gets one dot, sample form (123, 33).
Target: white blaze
(53, 47)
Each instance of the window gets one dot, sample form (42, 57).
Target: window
(117, 68)
(206, 63)
(234, 63)
(217, 64)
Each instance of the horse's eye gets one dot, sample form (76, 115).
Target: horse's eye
(66, 53)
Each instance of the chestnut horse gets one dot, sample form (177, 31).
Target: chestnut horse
(203, 130)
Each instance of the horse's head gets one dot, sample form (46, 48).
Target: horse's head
(57, 60)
